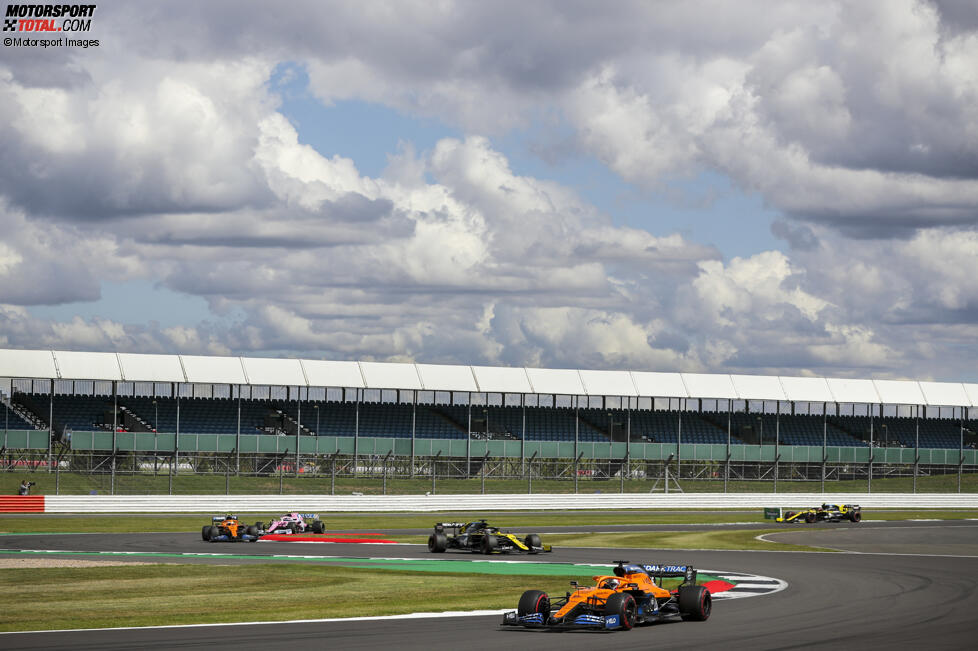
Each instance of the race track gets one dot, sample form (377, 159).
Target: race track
(898, 587)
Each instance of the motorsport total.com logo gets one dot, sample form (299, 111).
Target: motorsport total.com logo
(44, 18)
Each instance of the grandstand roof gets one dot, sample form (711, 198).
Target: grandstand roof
(129, 367)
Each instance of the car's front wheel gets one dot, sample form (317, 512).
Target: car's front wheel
(809, 517)
(855, 516)
(623, 605)
(532, 540)
(534, 601)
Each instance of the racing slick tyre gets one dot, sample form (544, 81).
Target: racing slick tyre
(532, 540)
(809, 517)
(252, 531)
(855, 516)
(294, 528)
(212, 533)
(318, 526)
(623, 605)
(489, 543)
(437, 543)
(260, 525)
(695, 603)
(788, 515)
(204, 531)
(534, 601)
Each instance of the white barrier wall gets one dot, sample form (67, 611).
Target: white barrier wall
(518, 502)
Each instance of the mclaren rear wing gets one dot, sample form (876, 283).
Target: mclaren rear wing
(688, 572)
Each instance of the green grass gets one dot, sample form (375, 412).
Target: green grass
(58, 523)
(147, 595)
(217, 484)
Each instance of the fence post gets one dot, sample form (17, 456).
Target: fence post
(485, 460)
(281, 470)
(577, 461)
(434, 466)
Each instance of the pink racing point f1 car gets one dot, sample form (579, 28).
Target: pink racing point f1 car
(296, 523)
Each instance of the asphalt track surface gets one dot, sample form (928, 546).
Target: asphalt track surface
(900, 585)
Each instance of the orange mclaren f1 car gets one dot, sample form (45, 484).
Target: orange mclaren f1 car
(633, 595)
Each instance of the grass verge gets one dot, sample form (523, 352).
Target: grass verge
(185, 483)
(148, 595)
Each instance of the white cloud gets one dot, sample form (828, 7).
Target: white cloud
(168, 158)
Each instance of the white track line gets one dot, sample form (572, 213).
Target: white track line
(455, 613)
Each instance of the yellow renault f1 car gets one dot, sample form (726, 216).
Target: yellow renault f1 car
(479, 537)
(824, 513)
(633, 595)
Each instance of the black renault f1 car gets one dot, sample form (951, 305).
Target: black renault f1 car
(825, 513)
(479, 537)
(633, 595)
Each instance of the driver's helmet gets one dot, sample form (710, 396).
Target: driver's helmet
(610, 584)
(826, 507)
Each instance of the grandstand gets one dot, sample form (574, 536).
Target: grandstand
(173, 394)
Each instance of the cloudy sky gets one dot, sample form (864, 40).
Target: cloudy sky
(769, 187)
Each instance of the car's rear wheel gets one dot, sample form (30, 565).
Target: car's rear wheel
(260, 525)
(695, 603)
(534, 601)
(809, 517)
(252, 531)
(623, 605)
(318, 526)
(203, 532)
(855, 516)
(532, 540)
(489, 543)
(213, 532)
(437, 543)
(294, 528)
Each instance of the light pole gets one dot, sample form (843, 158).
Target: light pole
(156, 418)
(316, 407)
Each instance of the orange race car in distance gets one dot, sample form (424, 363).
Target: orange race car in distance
(230, 529)
(633, 595)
